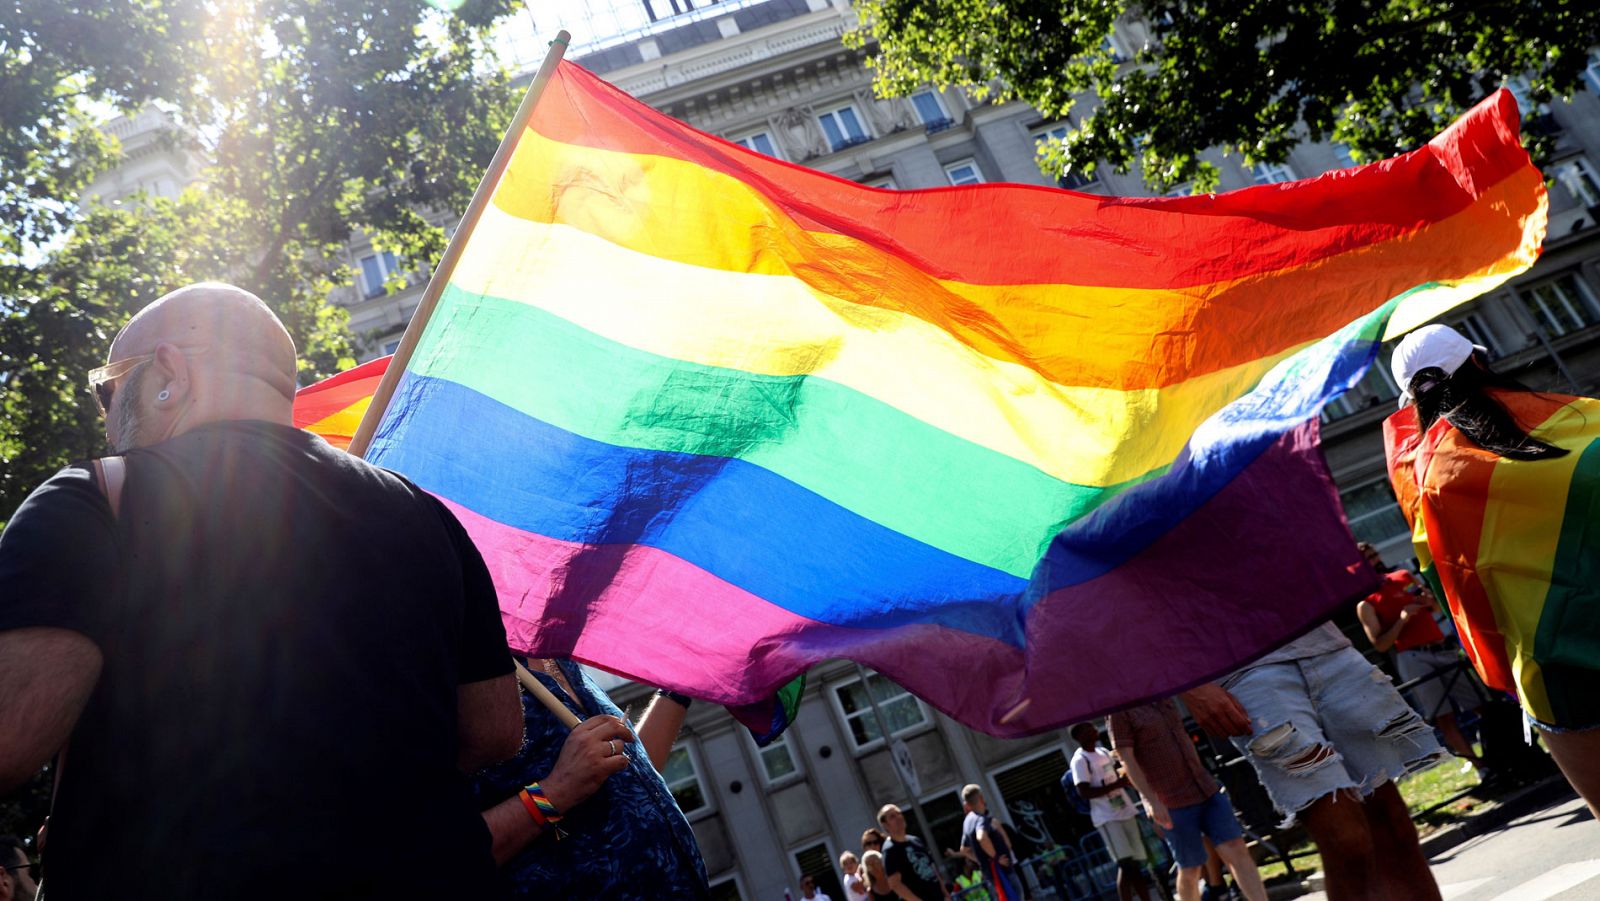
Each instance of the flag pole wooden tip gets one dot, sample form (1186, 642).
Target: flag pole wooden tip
(361, 441)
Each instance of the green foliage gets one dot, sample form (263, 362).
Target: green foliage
(1254, 77)
(320, 119)
(55, 60)
(61, 315)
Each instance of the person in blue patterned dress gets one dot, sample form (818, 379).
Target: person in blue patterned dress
(619, 833)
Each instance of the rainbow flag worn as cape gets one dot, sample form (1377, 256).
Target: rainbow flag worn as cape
(1514, 547)
(712, 417)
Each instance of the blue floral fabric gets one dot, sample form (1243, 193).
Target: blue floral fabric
(628, 840)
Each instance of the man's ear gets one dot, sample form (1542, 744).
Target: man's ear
(173, 377)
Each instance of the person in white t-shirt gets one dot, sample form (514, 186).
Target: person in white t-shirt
(1094, 772)
(854, 882)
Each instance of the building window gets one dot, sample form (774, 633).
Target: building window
(683, 779)
(1031, 803)
(760, 142)
(1561, 305)
(1346, 156)
(1522, 89)
(1271, 173)
(1057, 134)
(1580, 180)
(818, 862)
(901, 711)
(1113, 45)
(778, 760)
(1592, 73)
(945, 817)
(1181, 189)
(843, 127)
(390, 347)
(1376, 388)
(1478, 332)
(887, 183)
(1373, 515)
(727, 889)
(964, 173)
(375, 269)
(931, 111)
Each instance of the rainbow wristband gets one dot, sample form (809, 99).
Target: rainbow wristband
(538, 805)
(532, 808)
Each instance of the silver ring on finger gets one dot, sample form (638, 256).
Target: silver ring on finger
(612, 744)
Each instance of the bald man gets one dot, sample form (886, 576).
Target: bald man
(272, 659)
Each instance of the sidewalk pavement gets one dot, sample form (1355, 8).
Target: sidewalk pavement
(1493, 815)
(1498, 812)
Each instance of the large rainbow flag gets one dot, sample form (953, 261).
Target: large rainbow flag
(1514, 548)
(332, 409)
(712, 417)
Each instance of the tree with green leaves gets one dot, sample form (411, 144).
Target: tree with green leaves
(1252, 77)
(60, 317)
(319, 120)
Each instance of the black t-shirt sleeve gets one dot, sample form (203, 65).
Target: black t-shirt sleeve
(483, 636)
(58, 557)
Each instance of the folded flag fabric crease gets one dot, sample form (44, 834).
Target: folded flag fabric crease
(713, 417)
(1511, 547)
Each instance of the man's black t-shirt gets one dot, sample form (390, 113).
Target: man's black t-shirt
(917, 868)
(283, 628)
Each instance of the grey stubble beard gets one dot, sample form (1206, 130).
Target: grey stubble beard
(128, 418)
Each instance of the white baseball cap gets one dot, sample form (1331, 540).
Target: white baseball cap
(1437, 346)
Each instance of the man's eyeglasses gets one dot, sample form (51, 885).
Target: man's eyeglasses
(103, 380)
(32, 868)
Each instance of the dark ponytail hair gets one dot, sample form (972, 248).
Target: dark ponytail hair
(1463, 400)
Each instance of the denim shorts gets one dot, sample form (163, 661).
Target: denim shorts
(1212, 818)
(1328, 722)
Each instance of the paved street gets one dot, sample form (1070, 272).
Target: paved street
(1551, 853)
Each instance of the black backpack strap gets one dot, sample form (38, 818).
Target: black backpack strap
(111, 473)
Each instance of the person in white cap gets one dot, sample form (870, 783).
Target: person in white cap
(1502, 487)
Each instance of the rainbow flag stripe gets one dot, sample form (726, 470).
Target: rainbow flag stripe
(1512, 546)
(334, 406)
(713, 417)
(332, 409)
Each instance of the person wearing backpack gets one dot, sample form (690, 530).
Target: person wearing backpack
(1095, 776)
(269, 655)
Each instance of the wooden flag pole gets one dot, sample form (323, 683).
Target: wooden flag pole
(447, 263)
(537, 689)
(430, 299)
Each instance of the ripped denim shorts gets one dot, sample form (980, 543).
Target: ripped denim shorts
(1327, 722)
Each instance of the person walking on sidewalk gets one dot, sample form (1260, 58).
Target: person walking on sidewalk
(1094, 773)
(1327, 735)
(1181, 796)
